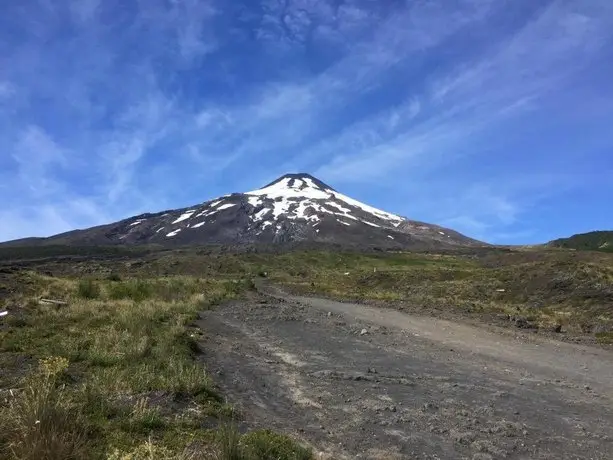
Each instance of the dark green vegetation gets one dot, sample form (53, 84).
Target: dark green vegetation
(117, 373)
(261, 444)
(594, 241)
(8, 251)
(542, 290)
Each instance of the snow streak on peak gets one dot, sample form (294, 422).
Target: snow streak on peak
(365, 207)
(283, 205)
(292, 187)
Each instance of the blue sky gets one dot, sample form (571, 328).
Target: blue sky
(493, 117)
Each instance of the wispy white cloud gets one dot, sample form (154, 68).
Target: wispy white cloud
(481, 207)
(356, 91)
(498, 84)
(37, 156)
(494, 208)
(78, 153)
(305, 107)
(84, 11)
(6, 90)
(192, 20)
(40, 221)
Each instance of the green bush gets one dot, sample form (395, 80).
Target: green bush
(236, 287)
(175, 289)
(88, 289)
(143, 419)
(113, 277)
(249, 284)
(604, 337)
(257, 445)
(266, 444)
(136, 290)
(228, 440)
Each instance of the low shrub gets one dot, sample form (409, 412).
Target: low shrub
(136, 290)
(88, 289)
(266, 444)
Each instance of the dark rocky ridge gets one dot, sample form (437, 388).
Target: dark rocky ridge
(296, 208)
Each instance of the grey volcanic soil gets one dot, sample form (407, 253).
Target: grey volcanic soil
(410, 387)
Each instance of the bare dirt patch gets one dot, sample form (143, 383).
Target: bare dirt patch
(362, 382)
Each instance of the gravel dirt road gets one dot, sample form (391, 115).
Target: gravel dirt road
(360, 382)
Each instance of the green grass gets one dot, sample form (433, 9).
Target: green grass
(88, 289)
(136, 290)
(570, 288)
(125, 380)
(591, 241)
(43, 421)
(9, 251)
(228, 441)
(604, 337)
(266, 444)
(552, 288)
(258, 445)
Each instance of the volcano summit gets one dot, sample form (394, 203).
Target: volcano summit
(293, 208)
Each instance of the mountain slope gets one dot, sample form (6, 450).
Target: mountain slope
(596, 241)
(293, 208)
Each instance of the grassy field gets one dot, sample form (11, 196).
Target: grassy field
(115, 374)
(547, 289)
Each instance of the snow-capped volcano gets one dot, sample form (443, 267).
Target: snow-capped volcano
(293, 208)
(303, 197)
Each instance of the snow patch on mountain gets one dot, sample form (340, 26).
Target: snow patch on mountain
(339, 207)
(254, 201)
(377, 212)
(184, 216)
(210, 212)
(301, 211)
(280, 208)
(258, 216)
(306, 193)
(291, 188)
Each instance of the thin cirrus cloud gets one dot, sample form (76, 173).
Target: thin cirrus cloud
(536, 61)
(477, 114)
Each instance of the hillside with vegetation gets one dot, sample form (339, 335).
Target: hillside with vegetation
(592, 241)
